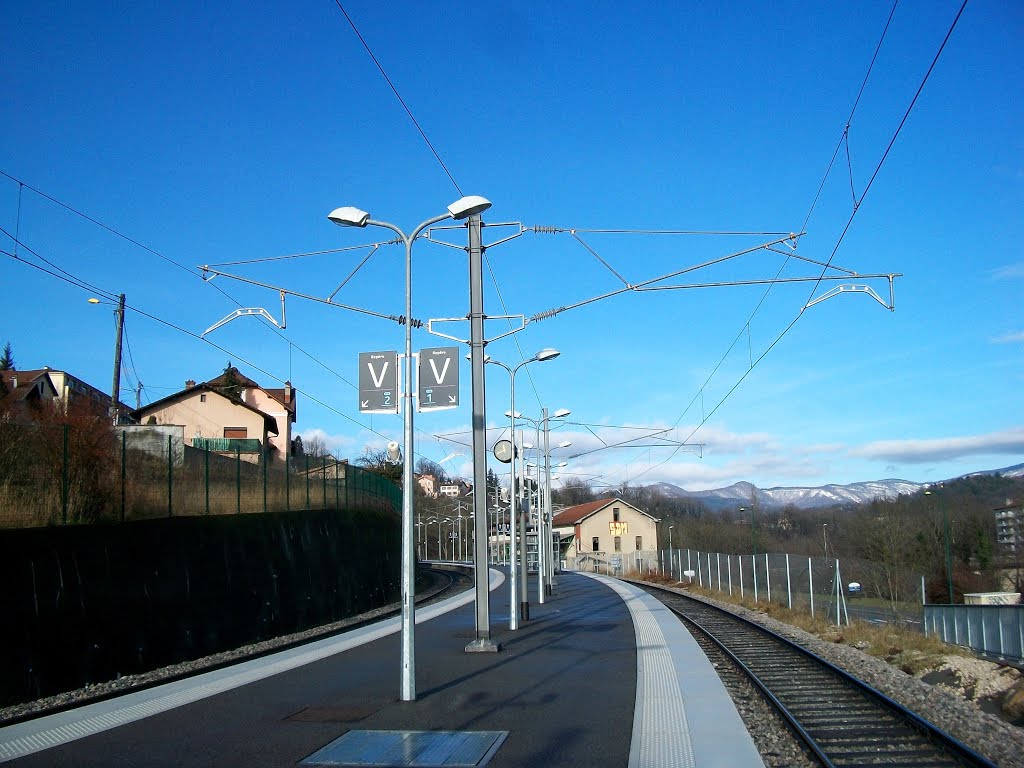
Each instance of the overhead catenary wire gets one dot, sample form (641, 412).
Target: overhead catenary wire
(398, 96)
(127, 238)
(79, 283)
(841, 237)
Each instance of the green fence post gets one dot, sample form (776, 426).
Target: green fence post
(263, 456)
(307, 483)
(170, 477)
(64, 478)
(124, 470)
(288, 481)
(206, 477)
(337, 498)
(238, 479)
(324, 471)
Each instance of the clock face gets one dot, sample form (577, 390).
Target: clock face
(503, 451)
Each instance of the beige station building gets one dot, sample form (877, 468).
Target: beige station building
(608, 535)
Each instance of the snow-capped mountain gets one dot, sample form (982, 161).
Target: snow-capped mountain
(808, 498)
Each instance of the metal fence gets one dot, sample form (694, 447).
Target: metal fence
(56, 475)
(996, 630)
(821, 586)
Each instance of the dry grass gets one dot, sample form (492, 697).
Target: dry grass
(903, 647)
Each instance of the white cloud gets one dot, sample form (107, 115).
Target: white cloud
(1010, 338)
(1009, 272)
(338, 445)
(1007, 442)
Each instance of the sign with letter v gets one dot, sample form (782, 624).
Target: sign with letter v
(438, 377)
(378, 382)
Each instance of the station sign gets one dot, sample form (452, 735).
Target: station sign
(438, 378)
(378, 382)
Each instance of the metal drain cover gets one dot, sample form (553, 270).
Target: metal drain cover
(422, 749)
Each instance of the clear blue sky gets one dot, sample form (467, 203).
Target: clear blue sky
(219, 132)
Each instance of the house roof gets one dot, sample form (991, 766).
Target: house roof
(574, 515)
(28, 382)
(277, 394)
(141, 413)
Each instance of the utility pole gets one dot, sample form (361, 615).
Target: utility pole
(115, 390)
(483, 641)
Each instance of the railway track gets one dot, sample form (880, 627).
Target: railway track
(840, 720)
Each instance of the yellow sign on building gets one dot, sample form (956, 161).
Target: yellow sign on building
(620, 528)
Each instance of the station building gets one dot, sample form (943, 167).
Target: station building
(607, 535)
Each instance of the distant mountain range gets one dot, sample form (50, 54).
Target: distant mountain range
(810, 498)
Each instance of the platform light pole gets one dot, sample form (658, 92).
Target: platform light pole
(465, 207)
(517, 602)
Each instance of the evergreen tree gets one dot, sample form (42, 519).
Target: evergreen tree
(7, 361)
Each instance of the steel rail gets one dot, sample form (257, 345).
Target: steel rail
(932, 734)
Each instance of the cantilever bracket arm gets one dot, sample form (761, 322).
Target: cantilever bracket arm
(850, 288)
(248, 311)
(430, 327)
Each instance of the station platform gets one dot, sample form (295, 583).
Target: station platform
(600, 675)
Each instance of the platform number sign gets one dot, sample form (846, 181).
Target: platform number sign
(378, 382)
(438, 378)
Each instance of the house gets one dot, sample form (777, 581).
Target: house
(230, 414)
(23, 390)
(1010, 526)
(607, 534)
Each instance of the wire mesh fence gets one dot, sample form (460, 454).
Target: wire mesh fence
(61, 475)
(820, 586)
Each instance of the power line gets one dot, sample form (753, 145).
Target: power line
(839, 241)
(79, 283)
(112, 296)
(399, 97)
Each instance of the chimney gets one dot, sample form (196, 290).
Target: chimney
(189, 384)
(14, 381)
(287, 392)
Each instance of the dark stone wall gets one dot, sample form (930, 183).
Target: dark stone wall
(86, 604)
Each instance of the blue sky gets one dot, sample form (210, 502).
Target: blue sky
(212, 133)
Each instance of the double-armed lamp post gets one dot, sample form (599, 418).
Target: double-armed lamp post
(518, 603)
(469, 207)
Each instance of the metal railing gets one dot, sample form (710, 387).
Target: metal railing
(995, 630)
(61, 475)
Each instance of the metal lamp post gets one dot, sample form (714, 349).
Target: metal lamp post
(670, 551)
(518, 602)
(948, 551)
(353, 217)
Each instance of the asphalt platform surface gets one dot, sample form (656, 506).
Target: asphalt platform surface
(562, 686)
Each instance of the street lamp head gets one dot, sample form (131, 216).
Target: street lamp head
(93, 300)
(561, 413)
(515, 415)
(349, 217)
(565, 444)
(468, 206)
(547, 354)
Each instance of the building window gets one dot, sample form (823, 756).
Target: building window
(615, 514)
(596, 544)
(639, 543)
(618, 543)
(202, 398)
(236, 432)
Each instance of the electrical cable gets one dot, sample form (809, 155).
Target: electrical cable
(394, 90)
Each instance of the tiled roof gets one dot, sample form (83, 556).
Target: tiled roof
(140, 414)
(573, 515)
